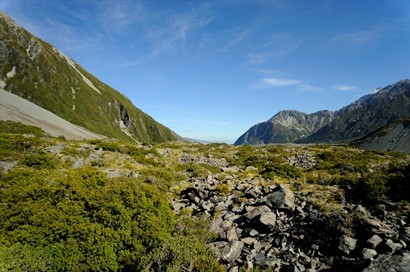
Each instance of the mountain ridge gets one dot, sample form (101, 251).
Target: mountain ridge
(40, 73)
(361, 117)
(285, 126)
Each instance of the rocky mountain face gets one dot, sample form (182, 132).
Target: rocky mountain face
(358, 119)
(367, 114)
(286, 127)
(393, 137)
(40, 73)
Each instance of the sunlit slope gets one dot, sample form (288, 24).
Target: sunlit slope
(40, 73)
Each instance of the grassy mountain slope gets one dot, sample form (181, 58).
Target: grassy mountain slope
(394, 137)
(38, 72)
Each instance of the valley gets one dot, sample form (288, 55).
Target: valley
(112, 205)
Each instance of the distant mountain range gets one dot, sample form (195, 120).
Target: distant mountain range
(40, 73)
(362, 117)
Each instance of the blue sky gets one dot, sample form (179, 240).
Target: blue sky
(211, 69)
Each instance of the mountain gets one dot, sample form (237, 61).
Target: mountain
(285, 127)
(367, 114)
(393, 137)
(356, 120)
(43, 75)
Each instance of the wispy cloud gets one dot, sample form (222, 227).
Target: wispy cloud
(359, 38)
(343, 87)
(308, 88)
(264, 56)
(275, 82)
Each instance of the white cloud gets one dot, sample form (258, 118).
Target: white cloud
(344, 87)
(308, 88)
(276, 82)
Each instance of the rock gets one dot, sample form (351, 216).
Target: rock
(368, 253)
(231, 235)
(234, 252)
(389, 263)
(361, 209)
(268, 219)
(220, 207)
(392, 247)
(248, 240)
(251, 168)
(347, 244)
(254, 212)
(178, 206)
(374, 241)
(78, 163)
(55, 149)
(7, 166)
(219, 248)
(281, 198)
(113, 173)
(234, 269)
(216, 226)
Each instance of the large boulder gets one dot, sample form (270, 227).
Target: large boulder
(347, 244)
(281, 198)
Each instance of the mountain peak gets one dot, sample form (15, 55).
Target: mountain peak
(358, 119)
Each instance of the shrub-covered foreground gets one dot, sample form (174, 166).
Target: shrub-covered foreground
(78, 220)
(103, 205)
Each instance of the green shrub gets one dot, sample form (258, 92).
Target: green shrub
(39, 160)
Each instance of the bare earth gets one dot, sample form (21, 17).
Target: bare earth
(15, 108)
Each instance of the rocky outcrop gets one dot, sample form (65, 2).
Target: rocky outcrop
(273, 227)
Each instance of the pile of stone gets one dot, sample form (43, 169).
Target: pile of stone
(271, 227)
(302, 160)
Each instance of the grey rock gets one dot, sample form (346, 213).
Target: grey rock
(347, 244)
(374, 241)
(178, 206)
(257, 211)
(7, 166)
(392, 247)
(234, 269)
(282, 197)
(368, 253)
(220, 207)
(113, 173)
(231, 235)
(78, 163)
(389, 263)
(216, 226)
(268, 219)
(55, 149)
(248, 240)
(219, 248)
(234, 252)
(251, 168)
